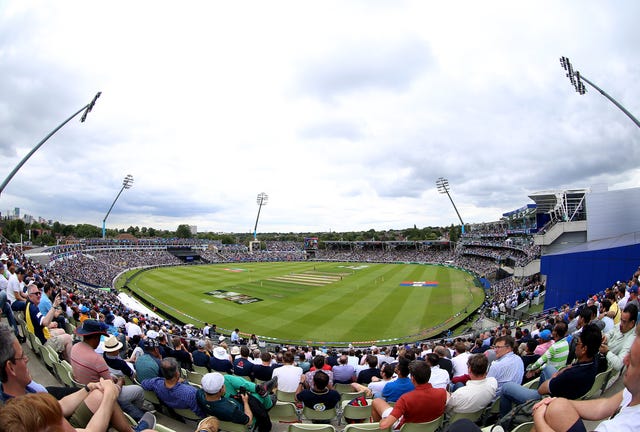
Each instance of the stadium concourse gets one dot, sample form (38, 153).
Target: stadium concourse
(84, 302)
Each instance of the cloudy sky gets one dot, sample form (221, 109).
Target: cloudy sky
(344, 112)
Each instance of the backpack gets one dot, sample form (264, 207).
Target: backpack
(519, 414)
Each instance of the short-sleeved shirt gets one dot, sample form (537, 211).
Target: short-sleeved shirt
(262, 372)
(574, 381)
(365, 375)
(395, 389)
(319, 401)
(200, 358)
(225, 409)
(423, 404)
(147, 366)
(88, 366)
(242, 366)
(179, 396)
(220, 365)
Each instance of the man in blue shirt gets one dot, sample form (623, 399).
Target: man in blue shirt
(507, 367)
(170, 389)
(394, 389)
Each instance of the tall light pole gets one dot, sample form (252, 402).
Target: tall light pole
(87, 109)
(261, 200)
(443, 187)
(576, 78)
(126, 184)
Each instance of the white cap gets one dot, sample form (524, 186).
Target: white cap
(212, 382)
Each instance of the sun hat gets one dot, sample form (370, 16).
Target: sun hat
(220, 353)
(91, 327)
(212, 382)
(221, 338)
(235, 350)
(152, 334)
(112, 344)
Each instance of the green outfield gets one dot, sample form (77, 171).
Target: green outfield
(314, 302)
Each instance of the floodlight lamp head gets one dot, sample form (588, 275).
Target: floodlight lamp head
(262, 198)
(442, 185)
(127, 182)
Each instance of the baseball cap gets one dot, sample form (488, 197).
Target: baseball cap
(545, 334)
(633, 290)
(212, 382)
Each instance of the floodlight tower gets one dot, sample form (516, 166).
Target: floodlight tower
(443, 187)
(261, 200)
(126, 184)
(576, 78)
(87, 109)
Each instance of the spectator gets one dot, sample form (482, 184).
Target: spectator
(89, 366)
(288, 375)
(507, 367)
(148, 364)
(439, 378)
(16, 382)
(393, 390)
(617, 343)
(559, 414)
(264, 370)
(343, 372)
(365, 375)
(242, 366)
(571, 382)
(170, 389)
(43, 326)
(556, 355)
(319, 397)
(479, 390)
(234, 399)
(423, 404)
(459, 362)
(220, 361)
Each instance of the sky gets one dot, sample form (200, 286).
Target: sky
(345, 113)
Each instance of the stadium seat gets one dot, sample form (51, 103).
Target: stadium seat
(161, 428)
(313, 415)
(194, 377)
(533, 384)
(349, 396)
(524, 427)
(359, 427)
(284, 412)
(286, 396)
(232, 427)
(187, 414)
(431, 426)
(474, 416)
(352, 412)
(305, 427)
(200, 369)
(343, 388)
(598, 384)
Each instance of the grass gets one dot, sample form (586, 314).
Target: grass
(315, 302)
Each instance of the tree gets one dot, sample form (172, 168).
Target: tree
(183, 231)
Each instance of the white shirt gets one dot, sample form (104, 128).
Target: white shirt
(474, 396)
(625, 421)
(459, 363)
(288, 377)
(13, 286)
(439, 377)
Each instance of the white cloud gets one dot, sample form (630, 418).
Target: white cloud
(344, 113)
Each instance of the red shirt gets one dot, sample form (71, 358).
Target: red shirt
(423, 404)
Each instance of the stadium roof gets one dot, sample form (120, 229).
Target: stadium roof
(566, 201)
(608, 243)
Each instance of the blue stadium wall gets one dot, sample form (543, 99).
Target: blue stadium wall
(573, 276)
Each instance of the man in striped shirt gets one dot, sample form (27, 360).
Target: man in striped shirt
(555, 356)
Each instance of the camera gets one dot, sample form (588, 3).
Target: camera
(242, 390)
